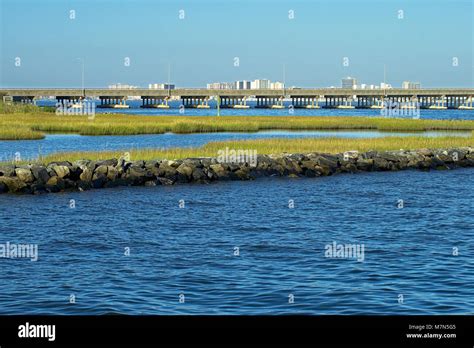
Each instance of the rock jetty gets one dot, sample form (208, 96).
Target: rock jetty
(85, 174)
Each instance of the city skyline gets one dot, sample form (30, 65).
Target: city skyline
(303, 43)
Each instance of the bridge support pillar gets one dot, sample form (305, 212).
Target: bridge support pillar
(155, 102)
(113, 102)
(194, 102)
(24, 100)
(270, 102)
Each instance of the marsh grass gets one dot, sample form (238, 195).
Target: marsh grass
(119, 124)
(15, 108)
(19, 133)
(275, 146)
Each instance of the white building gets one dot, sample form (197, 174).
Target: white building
(384, 85)
(122, 86)
(261, 84)
(243, 84)
(277, 85)
(411, 85)
(349, 83)
(221, 85)
(161, 86)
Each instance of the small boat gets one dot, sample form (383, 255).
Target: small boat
(277, 107)
(239, 106)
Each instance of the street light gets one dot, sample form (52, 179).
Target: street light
(82, 72)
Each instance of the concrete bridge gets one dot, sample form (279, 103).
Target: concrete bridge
(434, 98)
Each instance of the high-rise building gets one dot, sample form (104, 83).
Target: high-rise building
(261, 84)
(349, 82)
(221, 85)
(411, 85)
(243, 84)
(122, 86)
(161, 86)
(277, 85)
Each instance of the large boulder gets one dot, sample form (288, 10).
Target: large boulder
(365, 164)
(3, 187)
(61, 171)
(12, 183)
(166, 170)
(7, 170)
(86, 174)
(98, 180)
(40, 173)
(219, 170)
(199, 175)
(186, 169)
(110, 162)
(138, 175)
(24, 174)
(55, 184)
(381, 164)
(112, 173)
(101, 170)
(389, 156)
(329, 161)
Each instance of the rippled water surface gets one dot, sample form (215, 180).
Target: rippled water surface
(31, 149)
(190, 250)
(174, 110)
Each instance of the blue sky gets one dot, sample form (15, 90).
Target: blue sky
(201, 47)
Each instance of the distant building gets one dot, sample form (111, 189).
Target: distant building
(221, 85)
(411, 85)
(384, 85)
(277, 85)
(122, 86)
(349, 83)
(261, 84)
(161, 86)
(243, 84)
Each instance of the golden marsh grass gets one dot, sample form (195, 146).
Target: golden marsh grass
(119, 124)
(275, 146)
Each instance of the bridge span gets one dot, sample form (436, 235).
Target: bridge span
(433, 98)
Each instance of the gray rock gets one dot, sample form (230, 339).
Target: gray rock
(110, 162)
(3, 187)
(219, 170)
(61, 171)
(380, 164)
(389, 156)
(86, 174)
(55, 184)
(112, 173)
(166, 171)
(7, 170)
(98, 180)
(165, 181)
(198, 174)
(24, 174)
(365, 164)
(13, 183)
(101, 170)
(186, 170)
